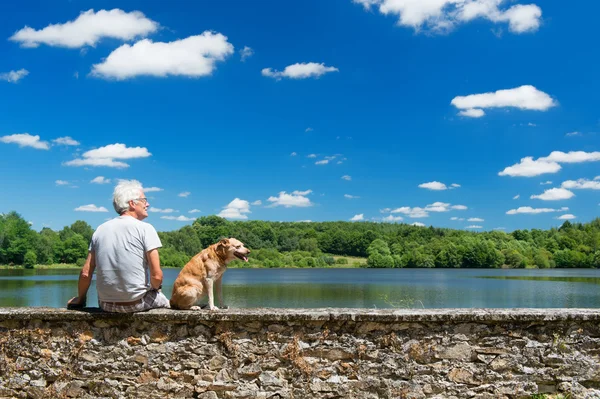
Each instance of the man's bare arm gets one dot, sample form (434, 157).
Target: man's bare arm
(85, 280)
(156, 274)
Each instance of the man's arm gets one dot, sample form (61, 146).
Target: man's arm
(85, 279)
(156, 274)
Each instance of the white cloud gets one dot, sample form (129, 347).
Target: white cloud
(442, 16)
(66, 141)
(26, 140)
(246, 53)
(257, 203)
(88, 29)
(525, 97)
(91, 208)
(457, 218)
(305, 192)
(434, 185)
(100, 180)
(184, 194)
(472, 113)
(528, 209)
(14, 76)
(459, 207)
(293, 154)
(473, 226)
(582, 184)
(567, 216)
(323, 162)
(554, 194)
(517, 196)
(296, 198)
(105, 156)
(308, 129)
(194, 56)
(346, 177)
(359, 217)
(544, 183)
(573, 134)
(475, 220)
(179, 218)
(159, 210)
(454, 185)
(392, 218)
(152, 189)
(437, 207)
(61, 183)
(529, 168)
(300, 71)
(195, 211)
(349, 196)
(236, 209)
(418, 224)
(499, 228)
(572, 157)
(311, 156)
(414, 213)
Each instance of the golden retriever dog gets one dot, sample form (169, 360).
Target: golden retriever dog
(205, 271)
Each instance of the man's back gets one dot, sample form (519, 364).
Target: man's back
(120, 246)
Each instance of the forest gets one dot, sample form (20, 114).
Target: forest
(325, 244)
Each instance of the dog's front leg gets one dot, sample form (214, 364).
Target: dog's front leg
(219, 290)
(211, 297)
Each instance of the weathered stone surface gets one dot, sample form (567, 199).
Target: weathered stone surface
(300, 353)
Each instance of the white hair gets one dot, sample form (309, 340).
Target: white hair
(125, 191)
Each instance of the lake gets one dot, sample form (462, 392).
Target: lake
(352, 288)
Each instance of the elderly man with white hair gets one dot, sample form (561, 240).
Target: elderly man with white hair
(124, 254)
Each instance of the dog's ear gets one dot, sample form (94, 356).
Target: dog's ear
(222, 248)
(224, 241)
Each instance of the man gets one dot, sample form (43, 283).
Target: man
(124, 252)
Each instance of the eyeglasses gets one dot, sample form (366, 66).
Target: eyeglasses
(142, 200)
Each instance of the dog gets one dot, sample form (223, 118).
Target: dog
(205, 271)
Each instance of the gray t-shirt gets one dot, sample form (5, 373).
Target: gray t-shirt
(120, 247)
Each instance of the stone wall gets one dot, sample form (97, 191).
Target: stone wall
(292, 353)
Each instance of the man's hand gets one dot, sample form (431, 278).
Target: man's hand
(76, 303)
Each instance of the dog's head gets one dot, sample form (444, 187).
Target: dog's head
(229, 249)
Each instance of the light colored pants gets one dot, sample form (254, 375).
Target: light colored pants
(152, 300)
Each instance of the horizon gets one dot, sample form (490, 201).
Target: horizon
(477, 116)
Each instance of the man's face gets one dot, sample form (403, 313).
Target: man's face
(140, 206)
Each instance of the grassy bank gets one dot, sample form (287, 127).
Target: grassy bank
(42, 267)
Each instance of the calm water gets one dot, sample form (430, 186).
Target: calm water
(355, 288)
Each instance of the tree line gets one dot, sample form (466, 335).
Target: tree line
(314, 244)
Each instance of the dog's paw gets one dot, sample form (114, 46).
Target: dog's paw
(214, 308)
(195, 308)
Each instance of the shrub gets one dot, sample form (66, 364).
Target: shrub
(30, 259)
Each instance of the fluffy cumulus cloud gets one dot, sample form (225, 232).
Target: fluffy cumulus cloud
(350, 196)
(441, 16)
(322, 162)
(14, 76)
(26, 140)
(257, 203)
(100, 180)
(246, 53)
(423, 212)
(517, 196)
(418, 224)
(567, 216)
(109, 156)
(582, 184)
(61, 183)
(434, 185)
(194, 211)
(346, 177)
(179, 218)
(88, 29)
(554, 194)
(295, 199)
(393, 219)
(195, 56)
(525, 97)
(474, 226)
(91, 208)
(184, 194)
(530, 210)
(68, 141)
(152, 189)
(358, 218)
(300, 71)
(236, 209)
(475, 220)
(159, 210)
(529, 167)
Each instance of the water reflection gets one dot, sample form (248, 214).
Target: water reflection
(355, 288)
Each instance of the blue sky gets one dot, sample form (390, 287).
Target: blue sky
(470, 114)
